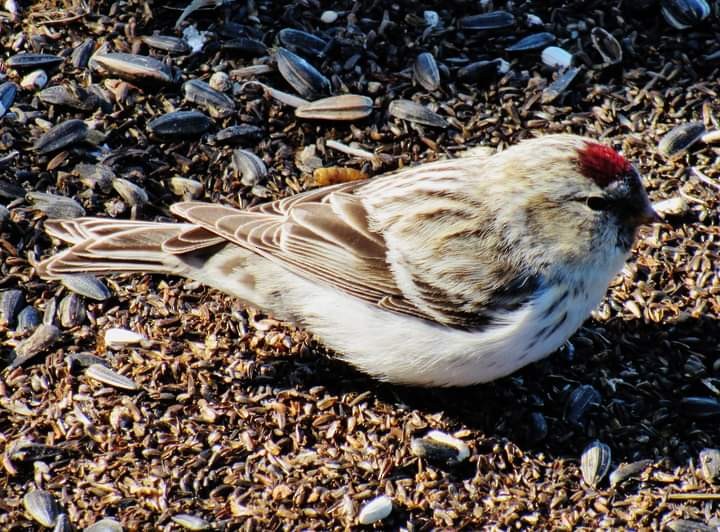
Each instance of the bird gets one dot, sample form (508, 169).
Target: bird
(449, 273)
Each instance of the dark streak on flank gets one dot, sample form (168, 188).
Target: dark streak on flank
(552, 307)
(556, 326)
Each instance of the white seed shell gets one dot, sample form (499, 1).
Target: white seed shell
(375, 510)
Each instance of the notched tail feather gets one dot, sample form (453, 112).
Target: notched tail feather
(104, 246)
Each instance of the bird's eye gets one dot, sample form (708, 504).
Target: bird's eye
(597, 203)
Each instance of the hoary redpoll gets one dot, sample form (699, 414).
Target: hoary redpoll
(449, 273)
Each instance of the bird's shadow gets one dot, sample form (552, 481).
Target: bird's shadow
(626, 384)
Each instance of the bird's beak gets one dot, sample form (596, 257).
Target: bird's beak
(647, 214)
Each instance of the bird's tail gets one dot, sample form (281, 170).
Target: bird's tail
(108, 245)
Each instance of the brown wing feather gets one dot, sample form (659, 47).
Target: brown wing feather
(321, 235)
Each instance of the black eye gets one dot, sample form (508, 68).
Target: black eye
(597, 203)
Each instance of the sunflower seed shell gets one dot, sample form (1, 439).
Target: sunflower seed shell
(595, 463)
(345, 107)
(42, 507)
(417, 113)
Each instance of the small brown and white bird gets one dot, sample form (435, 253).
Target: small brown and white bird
(445, 274)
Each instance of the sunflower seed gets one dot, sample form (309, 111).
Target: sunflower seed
(180, 124)
(687, 525)
(425, 71)
(556, 57)
(301, 75)
(11, 301)
(81, 54)
(538, 427)
(186, 188)
(683, 14)
(95, 175)
(30, 61)
(35, 80)
(62, 524)
(28, 319)
(50, 311)
(167, 43)
(70, 96)
(671, 206)
(560, 85)
(116, 338)
(345, 107)
(76, 361)
(190, 522)
(249, 167)
(494, 20)
(581, 399)
(245, 46)
(480, 71)
(55, 206)
(130, 192)
(41, 506)
(606, 45)
(536, 41)
(625, 471)
(302, 42)
(595, 463)
(441, 447)
(105, 525)
(61, 136)
(220, 81)
(710, 464)
(8, 90)
(329, 16)
(202, 93)
(43, 337)
(680, 139)
(235, 134)
(414, 112)
(71, 311)
(133, 67)
(104, 374)
(376, 510)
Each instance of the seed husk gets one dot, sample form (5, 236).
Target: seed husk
(417, 113)
(81, 54)
(71, 96)
(439, 446)
(31, 61)
(301, 75)
(8, 91)
(239, 133)
(179, 124)
(625, 471)
(375, 510)
(302, 42)
(187, 188)
(76, 361)
(248, 166)
(595, 463)
(11, 301)
(480, 71)
(133, 194)
(200, 92)
(105, 525)
(42, 507)
(62, 524)
(536, 41)
(190, 522)
(40, 340)
(55, 206)
(426, 72)
(61, 136)
(104, 374)
(684, 14)
(168, 43)
(345, 107)
(556, 57)
(71, 311)
(28, 319)
(494, 20)
(710, 464)
(246, 46)
(581, 399)
(95, 175)
(688, 525)
(606, 45)
(560, 85)
(116, 338)
(680, 139)
(133, 67)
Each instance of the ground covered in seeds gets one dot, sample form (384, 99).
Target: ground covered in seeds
(239, 421)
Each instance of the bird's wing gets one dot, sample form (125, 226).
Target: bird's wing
(322, 235)
(328, 236)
